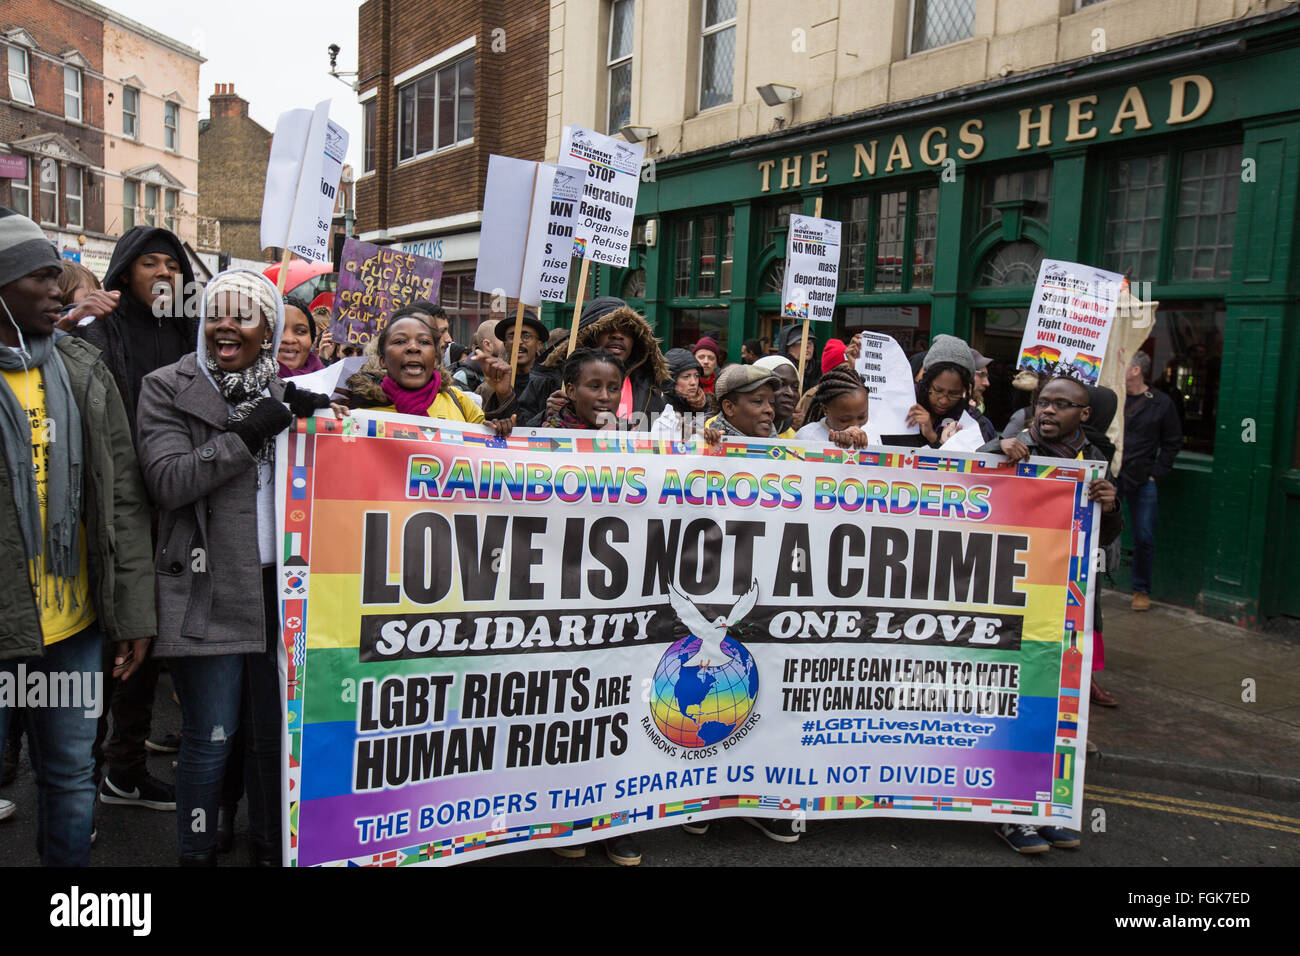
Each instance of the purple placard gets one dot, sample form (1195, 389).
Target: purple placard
(373, 282)
(13, 167)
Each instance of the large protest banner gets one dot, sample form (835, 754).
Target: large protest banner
(505, 644)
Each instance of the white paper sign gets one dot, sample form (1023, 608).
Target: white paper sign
(888, 377)
(602, 230)
(302, 179)
(550, 233)
(504, 238)
(968, 436)
(1069, 320)
(812, 265)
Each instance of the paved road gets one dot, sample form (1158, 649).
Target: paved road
(1144, 822)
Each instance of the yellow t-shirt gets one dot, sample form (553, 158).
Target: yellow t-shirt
(77, 612)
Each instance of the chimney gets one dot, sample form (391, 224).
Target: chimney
(225, 103)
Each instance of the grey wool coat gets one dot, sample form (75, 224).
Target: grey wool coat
(203, 479)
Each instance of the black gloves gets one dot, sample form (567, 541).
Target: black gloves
(302, 402)
(268, 417)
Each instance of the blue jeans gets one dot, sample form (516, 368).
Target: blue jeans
(218, 695)
(1142, 511)
(61, 739)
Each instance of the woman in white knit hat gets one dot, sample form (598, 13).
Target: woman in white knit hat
(207, 431)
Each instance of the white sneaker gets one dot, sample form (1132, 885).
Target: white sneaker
(7, 809)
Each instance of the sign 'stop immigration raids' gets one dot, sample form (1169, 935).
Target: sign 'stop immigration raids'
(602, 230)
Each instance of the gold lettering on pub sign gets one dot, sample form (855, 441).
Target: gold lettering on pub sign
(1190, 98)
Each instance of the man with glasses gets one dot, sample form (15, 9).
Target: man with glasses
(1056, 431)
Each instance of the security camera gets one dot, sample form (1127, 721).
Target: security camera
(334, 55)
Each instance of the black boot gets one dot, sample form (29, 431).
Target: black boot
(225, 829)
(261, 854)
(206, 858)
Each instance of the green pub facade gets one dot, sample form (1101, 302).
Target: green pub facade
(1175, 163)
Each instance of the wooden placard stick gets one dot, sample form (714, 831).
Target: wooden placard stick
(577, 304)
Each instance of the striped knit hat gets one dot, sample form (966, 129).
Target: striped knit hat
(24, 249)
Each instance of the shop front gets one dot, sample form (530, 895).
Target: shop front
(1174, 163)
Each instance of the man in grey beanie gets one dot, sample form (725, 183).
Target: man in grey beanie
(74, 534)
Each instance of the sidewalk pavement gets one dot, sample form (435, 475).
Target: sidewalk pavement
(1179, 678)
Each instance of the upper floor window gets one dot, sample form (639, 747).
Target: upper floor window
(940, 22)
(130, 112)
(72, 93)
(172, 126)
(130, 196)
(170, 198)
(436, 111)
(368, 135)
(619, 64)
(73, 187)
(150, 205)
(20, 76)
(20, 191)
(49, 201)
(717, 52)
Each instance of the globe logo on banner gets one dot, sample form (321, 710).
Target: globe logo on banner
(706, 683)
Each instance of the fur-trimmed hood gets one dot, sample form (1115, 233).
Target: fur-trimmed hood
(365, 385)
(646, 356)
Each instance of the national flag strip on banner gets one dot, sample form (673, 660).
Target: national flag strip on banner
(932, 463)
(1064, 764)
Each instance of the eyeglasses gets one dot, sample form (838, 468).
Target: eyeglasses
(944, 393)
(1060, 404)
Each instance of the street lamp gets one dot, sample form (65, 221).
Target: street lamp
(774, 94)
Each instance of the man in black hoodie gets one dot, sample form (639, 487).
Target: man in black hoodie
(151, 327)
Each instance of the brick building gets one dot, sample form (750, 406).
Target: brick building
(443, 84)
(233, 152)
(52, 121)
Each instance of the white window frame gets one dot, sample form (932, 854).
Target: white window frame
(26, 187)
(71, 72)
(370, 107)
(41, 191)
(612, 63)
(25, 77)
(135, 114)
(74, 175)
(911, 31)
(708, 31)
(172, 109)
(437, 100)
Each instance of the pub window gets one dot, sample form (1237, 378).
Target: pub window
(368, 135)
(717, 52)
(896, 231)
(465, 308)
(20, 76)
(49, 192)
(1030, 190)
(940, 22)
(1170, 217)
(575, 273)
(72, 93)
(73, 184)
(619, 65)
(1186, 352)
(20, 190)
(1011, 264)
(130, 112)
(436, 111)
(702, 256)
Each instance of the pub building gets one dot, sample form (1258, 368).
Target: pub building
(1174, 162)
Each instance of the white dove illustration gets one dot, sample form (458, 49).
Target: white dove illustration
(711, 634)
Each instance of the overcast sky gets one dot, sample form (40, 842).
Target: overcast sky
(274, 53)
